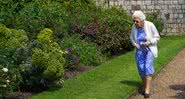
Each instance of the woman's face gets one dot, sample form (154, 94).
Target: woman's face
(138, 22)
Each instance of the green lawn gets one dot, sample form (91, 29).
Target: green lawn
(115, 79)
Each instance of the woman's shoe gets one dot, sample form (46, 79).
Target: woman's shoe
(146, 95)
(143, 92)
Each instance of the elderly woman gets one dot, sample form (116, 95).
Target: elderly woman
(144, 37)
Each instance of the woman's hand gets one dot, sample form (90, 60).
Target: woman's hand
(137, 46)
(147, 43)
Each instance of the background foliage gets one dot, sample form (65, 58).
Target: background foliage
(153, 17)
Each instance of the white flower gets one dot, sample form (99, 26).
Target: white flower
(4, 86)
(66, 52)
(5, 69)
(7, 81)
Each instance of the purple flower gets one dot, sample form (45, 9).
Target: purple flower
(85, 32)
(74, 28)
(68, 50)
(91, 33)
(75, 59)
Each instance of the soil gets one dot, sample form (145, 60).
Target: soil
(16, 95)
(76, 71)
(170, 82)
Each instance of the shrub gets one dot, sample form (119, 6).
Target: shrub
(23, 55)
(114, 30)
(153, 17)
(48, 57)
(4, 79)
(80, 52)
(39, 14)
(108, 28)
(11, 38)
(80, 11)
(9, 10)
(51, 63)
(9, 78)
(35, 15)
(40, 63)
(29, 78)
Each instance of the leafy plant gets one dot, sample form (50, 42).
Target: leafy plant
(9, 79)
(40, 63)
(11, 38)
(114, 30)
(153, 17)
(80, 52)
(38, 15)
(48, 57)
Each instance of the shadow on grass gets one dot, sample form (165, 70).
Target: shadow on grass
(54, 88)
(180, 94)
(136, 84)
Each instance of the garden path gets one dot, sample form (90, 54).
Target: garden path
(170, 82)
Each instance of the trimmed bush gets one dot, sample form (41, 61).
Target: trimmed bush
(48, 57)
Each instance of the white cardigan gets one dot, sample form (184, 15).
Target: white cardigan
(151, 34)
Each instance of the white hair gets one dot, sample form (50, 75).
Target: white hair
(139, 14)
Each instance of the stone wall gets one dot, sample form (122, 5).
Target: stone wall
(171, 11)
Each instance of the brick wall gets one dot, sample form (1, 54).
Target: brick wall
(171, 11)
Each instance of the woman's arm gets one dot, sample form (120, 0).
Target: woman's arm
(156, 36)
(132, 36)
